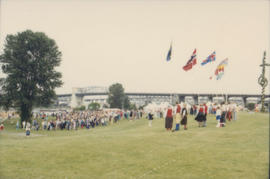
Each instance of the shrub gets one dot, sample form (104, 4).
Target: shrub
(251, 106)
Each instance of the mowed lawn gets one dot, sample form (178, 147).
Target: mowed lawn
(131, 149)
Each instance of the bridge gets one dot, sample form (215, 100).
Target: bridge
(84, 97)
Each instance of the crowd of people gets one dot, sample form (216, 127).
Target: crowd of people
(63, 120)
(80, 119)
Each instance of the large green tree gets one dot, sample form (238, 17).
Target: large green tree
(116, 96)
(29, 60)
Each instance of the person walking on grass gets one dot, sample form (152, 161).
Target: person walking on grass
(28, 128)
(17, 125)
(177, 117)
(1, 127)
(229, 113)
(23, 124)
(169, 119)
(223, 115)
(150, 118)
(218, 116)
(184, 114)
(234, 111)
(205, 114)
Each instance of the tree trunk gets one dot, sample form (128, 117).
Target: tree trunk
(25, 113)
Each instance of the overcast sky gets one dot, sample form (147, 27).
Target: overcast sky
(104, 42)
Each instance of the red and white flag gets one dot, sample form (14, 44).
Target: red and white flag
(192, 61)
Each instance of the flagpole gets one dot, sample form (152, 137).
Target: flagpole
(221, 91)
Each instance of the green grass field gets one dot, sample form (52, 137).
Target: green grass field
(131, 149)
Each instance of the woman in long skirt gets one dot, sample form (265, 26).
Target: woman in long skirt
(184, 117)
(169, 119)
(223, 115)
(200, 116)
(229, 114)
(150, 118)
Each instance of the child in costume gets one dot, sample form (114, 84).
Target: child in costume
(177, 117)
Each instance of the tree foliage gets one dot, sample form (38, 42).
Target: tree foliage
(126, 102)
(116, 96)
(80, 108)
(141, 107)
(94, 106)
(29, 60)
(133, 106)
(251, 106)
(105, 106)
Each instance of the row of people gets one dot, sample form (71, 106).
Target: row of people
(223, 112)
(180, 116)
(80, 119)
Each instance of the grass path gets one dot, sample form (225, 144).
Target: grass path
(133, 150)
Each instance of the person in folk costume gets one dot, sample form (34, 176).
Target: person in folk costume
(229, 113)
(184, 114)
(150, 118)
(205, 114)
(169, 119)
(223, 115)
(177, 117)
(200, 116)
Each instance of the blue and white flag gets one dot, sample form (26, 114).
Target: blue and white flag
(210, 58)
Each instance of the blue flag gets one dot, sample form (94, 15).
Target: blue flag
(169, 54)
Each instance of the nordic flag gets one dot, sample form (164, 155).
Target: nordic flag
(210, 58)
(192, 61)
